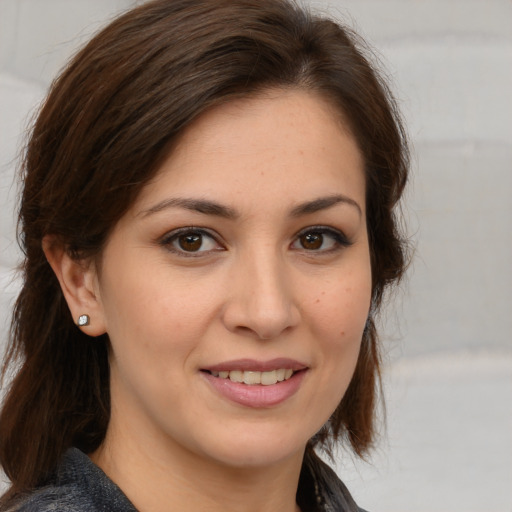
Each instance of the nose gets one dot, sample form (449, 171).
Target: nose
(261, 301)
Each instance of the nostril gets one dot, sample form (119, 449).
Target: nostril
(260, 315)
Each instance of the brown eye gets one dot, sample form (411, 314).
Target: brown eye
(320, 239)
(191, 242)
(311, 241)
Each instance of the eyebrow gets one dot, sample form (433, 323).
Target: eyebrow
(195, 205)
(208, 207)
(322, 203)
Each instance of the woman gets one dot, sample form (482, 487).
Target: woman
(208, 228)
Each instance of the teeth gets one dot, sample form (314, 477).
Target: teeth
(254, 378)
(236, 376)
(268, 378)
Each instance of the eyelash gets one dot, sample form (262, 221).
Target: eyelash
(340, 239)
(168, 240)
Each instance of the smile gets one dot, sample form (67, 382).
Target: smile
(256, 384)
(253, 378)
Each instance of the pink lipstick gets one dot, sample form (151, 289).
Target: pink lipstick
(257, 384)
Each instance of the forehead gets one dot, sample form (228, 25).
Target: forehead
(276, 117)
(274, 145)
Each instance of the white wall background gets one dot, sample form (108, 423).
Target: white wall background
(449, 376)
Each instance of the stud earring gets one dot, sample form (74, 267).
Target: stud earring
(83, 320)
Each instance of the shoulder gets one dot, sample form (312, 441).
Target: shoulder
(77, 486)
(53, 499)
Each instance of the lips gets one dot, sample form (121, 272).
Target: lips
(255, 383)
(257, 366)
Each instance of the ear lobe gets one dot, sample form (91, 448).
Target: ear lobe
(79, 284)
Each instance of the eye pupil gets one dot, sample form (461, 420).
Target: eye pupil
(190, 242)
(312, 241)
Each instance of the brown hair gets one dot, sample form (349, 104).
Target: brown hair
(107, 123)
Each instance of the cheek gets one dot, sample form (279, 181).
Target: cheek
(341, 310)
(152, 315)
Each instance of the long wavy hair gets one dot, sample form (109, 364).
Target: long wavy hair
(108, 121)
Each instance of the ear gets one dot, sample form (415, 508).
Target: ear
(79, 283)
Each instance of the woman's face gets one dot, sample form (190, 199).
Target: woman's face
(245, 259)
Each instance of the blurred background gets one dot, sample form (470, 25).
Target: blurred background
(448, 341)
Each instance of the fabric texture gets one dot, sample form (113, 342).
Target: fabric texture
(79, 485)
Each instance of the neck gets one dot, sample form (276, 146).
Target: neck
(181, 480)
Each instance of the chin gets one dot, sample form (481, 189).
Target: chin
(260, 449)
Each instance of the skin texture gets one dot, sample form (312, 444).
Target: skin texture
(255, 287)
